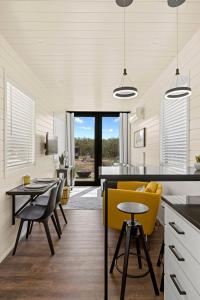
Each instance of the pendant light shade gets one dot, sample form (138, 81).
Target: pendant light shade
(125, 90)
(178, 93)
(124, 3)
(175, 3)
(181, 90)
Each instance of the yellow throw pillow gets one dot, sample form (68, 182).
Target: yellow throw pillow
(151, 187)
(65, 196)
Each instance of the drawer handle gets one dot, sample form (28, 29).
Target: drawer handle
(174, 226)
(177, 285)
(174, 251)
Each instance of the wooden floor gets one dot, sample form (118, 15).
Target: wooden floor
(76, 270)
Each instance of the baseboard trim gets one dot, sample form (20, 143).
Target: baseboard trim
(10, 249)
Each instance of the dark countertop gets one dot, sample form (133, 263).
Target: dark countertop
(186, 206)
(147, 173)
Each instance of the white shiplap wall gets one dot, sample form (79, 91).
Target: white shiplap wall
(13, 67)
(189, 65)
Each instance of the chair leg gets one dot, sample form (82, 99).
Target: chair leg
(126, 258)
(18, 236)
(160, 258)
(118, 246)
(56, 227)
(31, 227)
(153, 278)
(62, 211)
(162, 283)
(28, 229)
(57, 220)
(138, 253)
(46, 226)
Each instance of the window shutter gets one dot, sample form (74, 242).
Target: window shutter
(174, 128)
(20, 128)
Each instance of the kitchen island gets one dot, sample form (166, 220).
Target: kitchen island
(111, 175)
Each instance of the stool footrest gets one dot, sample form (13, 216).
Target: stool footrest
(131, 275)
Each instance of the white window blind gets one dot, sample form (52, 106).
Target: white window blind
(174, 130)
(20, 128)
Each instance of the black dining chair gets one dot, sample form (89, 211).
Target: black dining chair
(39, 214)
(43, 199)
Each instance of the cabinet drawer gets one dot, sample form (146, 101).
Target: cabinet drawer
(184, 232)
(168, 291)
(180, 285)
(176, 251)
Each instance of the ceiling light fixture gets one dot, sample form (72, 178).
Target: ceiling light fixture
(124, 91)
(181, 89)
(175, 3)
(124, 3)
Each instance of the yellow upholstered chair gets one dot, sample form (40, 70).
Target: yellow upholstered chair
(126, 192)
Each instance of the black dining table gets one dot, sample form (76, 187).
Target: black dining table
(112, 174)
(22, 190)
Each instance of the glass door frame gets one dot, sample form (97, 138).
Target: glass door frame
(97, 143)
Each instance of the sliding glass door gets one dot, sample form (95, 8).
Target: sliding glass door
(96, 139)
(84, 140)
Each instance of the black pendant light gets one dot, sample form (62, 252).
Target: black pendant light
(180, 91)
(125, 91)
(124, 3)
(175, 3)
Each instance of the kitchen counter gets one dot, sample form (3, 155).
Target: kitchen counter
(148, 173)
(187, 206)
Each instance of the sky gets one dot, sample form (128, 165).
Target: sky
(84, 127)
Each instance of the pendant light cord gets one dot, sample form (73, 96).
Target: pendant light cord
(124, 38)
(125, 71)
(179, 80)
(177, 37)
(124, 48)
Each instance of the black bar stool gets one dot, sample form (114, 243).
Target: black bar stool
(133, 230)
(159, 262)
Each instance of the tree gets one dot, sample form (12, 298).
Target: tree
(110, 147)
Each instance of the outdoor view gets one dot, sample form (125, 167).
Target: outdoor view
(84, 134)
(110, 140)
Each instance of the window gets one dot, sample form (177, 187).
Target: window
(174, 132)
(20, 131)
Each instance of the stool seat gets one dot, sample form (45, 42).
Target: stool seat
(132, 208)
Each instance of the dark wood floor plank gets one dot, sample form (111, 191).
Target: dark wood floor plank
(76, 270)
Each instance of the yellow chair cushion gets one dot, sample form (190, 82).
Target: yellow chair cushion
(151, 187)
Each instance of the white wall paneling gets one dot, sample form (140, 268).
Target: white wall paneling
(14, 68)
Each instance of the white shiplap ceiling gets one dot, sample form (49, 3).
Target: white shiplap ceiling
(76, 47)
